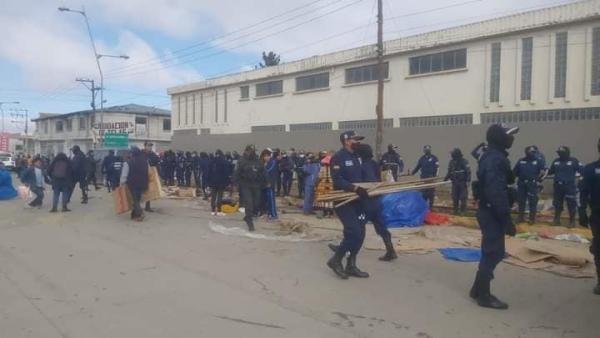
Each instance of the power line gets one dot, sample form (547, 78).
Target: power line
(177, 57)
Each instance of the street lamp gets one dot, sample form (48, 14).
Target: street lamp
(98, 56)
(2, 110)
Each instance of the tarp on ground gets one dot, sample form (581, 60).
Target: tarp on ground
(7, 191)
(461, 254)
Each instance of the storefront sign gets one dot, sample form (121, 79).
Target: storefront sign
(122, 127)
(4, 142)
(116, 140)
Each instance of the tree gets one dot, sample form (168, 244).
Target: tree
(269, 60)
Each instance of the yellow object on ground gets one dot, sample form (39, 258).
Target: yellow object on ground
(230, 209)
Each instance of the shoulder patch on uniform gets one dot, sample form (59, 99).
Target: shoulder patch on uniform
(349, 163)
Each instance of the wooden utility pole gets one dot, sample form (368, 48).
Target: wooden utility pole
(380, 78)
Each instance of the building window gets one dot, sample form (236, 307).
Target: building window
(364, 124)
(495, 72)
(526, 66)
(269, 88)
(437, 121)
(312, 82)
(69, 125)
(140, 120)
(269, 129)
(438, 62)
(310, 126)
(179, 111)
(542, 116)
(596, 61)
(167, 125)
(560, 68)
(365, 73)
(45, 123)
(82, 123)
(244, 92)
(59, 126)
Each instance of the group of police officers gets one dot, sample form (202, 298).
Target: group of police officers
(492, 190)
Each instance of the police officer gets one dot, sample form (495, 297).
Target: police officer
(590, 195)
(180, 168)
(345, 171)
(428, 165)
(300, 160)
(392, 161)
(107, 168)
(564, 169)
(188, 168)
(196, 168)
(529, 170)
(494, 175)
(459, 172)
(371, 173)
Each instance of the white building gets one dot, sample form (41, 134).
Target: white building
(538, 66)
(58, 133)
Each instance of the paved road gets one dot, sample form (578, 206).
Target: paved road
(90, 274)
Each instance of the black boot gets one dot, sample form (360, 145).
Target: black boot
(474, 293)
(352, 270)
(532, 216)
(485, 298)
(571, 220)
(597, 288)
(557, 218)
(333, 247)
(390, 252)
(335, 264)
(250, 223)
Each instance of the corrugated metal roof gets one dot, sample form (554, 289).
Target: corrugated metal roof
(127, 109)
(536, 19)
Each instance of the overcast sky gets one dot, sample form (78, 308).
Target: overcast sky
(172, 42)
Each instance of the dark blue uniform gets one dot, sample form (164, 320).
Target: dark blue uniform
(180, 169)
(346, 170)
(428, 165)
(459, 172)
(590, 196)
(529, 171)
(188, 169)
(564, 171)
(393, 162)
(371, 173)
(494, 175)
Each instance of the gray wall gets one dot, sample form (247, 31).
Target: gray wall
(580, 136)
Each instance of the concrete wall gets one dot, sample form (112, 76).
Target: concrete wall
(580, 136)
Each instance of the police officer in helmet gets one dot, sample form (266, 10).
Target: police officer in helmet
(345, 172)
(590, 196)
(564, 169)
(459, 172)
(529, 170)
(494, 175)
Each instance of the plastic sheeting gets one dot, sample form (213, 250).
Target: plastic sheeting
(239, 232)
(403, 209)
(461, 254)
(7, 191)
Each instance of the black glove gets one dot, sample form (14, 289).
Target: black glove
(583, 218)
(362, 192)
(510, 228)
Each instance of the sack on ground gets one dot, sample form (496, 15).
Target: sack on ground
(154, 186)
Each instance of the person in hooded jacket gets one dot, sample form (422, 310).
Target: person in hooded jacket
(219, 173)
(299, 164)
(188, 169)
(311, 169)
(108, 170)
(79, 171)
(459, 173)
(204, 164)
(564, 169)
(60, 173)
(493, 215)
(271, 167)
(180, 169)
(251, 177)
(91, 165)
(286, 167)
(135, 175)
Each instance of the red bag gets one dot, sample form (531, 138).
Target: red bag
(433, 218)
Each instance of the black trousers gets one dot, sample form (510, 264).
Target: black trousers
(527, 193)
(564, 192)
(39, 196)
(251, 199)
(492, 241)
(216, 196)
(459, 196)
(595, 247)
(429, 196)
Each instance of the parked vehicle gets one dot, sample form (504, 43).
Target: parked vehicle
(8, 160)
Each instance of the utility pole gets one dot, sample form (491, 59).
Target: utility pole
(380, 77)
(2, 111)
(23, 113)
(92, 88)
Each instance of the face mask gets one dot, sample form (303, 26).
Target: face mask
(355, 146)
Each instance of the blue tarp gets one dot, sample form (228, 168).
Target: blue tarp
(7, 191)
(403, 209)
(461, 254)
